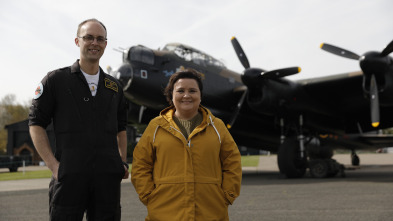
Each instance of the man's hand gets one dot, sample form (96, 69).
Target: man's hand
(55, 170)
(41, 143)
(126, 174)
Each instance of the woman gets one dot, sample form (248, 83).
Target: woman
(186, 165)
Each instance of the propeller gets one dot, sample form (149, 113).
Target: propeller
(255, 76)
(339, 51)
(240, 53)
(236, 112)
(388, 49)
(373, 65)
(251, 72)
(374, 102)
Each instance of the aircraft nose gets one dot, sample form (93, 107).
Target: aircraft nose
(124, 75)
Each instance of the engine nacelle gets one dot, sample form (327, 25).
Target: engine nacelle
(273, 96)
(372, 63)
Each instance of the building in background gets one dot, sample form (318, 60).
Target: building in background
(19, 142)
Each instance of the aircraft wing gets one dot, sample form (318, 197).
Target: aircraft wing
(342, 99)
(367, 141)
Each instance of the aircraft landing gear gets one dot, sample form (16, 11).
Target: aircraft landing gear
(291, 156)
(290, 162)
(321, 168)
(321, 164)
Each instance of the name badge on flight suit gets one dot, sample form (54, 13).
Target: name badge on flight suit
(111, 84)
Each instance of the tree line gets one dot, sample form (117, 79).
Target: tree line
(10, 112)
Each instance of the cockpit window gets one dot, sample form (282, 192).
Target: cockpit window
(141, 54)
(193, 55)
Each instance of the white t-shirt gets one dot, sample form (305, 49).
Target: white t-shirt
(92, 80)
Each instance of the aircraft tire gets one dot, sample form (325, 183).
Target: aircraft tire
(319, 168)
(289, 161)
(355, 160)
(322, 168)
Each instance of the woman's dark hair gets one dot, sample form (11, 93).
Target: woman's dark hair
(187, 73)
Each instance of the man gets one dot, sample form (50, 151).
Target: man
(89, 115)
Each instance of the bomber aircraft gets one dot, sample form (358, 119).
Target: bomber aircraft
(302, 121)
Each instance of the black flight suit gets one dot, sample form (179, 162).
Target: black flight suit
(86, 128)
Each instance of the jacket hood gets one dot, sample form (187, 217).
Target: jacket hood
(167, 115)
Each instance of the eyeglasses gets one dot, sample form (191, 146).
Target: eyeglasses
(90, 39)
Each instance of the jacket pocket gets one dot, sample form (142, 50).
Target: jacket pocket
(153, 193)
(222, 194)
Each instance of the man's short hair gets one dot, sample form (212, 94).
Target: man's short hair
(89, 20)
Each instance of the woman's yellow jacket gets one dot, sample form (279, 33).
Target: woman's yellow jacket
(186, 179)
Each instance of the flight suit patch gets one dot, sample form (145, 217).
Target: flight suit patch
(111, 85)
(38, 91)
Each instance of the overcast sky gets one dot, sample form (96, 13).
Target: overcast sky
(38, 35)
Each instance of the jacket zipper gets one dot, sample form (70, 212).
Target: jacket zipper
(189, 141)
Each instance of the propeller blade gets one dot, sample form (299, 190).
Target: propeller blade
(251, 76)
(240, 53)
(237, 110)
(388, 49)
(279, 73)
(374, 102)
(339, 51)
(141, 110)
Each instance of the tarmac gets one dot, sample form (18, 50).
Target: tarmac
(267, 163)
(365, 194)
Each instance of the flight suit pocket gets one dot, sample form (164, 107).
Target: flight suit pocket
(60, 173)
(109, 162)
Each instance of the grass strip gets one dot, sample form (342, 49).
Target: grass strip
(26, 175)
(247, 161)
(250, 161)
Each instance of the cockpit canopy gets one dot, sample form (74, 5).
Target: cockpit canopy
(139, 53)
(191, 54)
